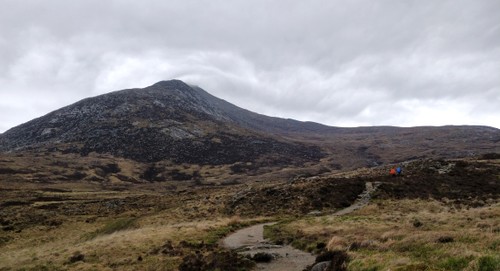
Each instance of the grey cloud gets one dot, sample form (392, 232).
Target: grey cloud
(340, 62)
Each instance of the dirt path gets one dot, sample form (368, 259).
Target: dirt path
(363, 199)
(251, 240)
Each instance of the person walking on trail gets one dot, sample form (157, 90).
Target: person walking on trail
(392, 172)
(399, 170)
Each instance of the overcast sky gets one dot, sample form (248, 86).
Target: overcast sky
(342, 63)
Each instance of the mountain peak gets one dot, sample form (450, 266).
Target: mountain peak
(169, 84)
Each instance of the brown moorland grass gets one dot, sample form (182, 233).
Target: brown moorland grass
(116, 244)
(383, 236)
(48, 222)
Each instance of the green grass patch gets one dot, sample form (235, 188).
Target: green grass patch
(299, 244)
(489, 263)
(455, 263)
(278, 234)
(215, 234)
(116, 225)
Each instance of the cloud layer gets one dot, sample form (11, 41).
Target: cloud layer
(343, 63)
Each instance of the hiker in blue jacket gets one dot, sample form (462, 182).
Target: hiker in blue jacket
(399, 170)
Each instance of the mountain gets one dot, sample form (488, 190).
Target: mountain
(173, 121)
(168, 120)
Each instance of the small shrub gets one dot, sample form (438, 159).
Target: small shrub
(320, 245)
(77, 257)
(417, 223)
(445, 239)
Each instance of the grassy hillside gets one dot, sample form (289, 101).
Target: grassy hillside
(403, 235)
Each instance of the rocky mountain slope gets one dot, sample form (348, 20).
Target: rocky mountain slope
(173, 121)
(166, 121)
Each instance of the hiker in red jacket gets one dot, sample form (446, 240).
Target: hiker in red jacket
(392, 172)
